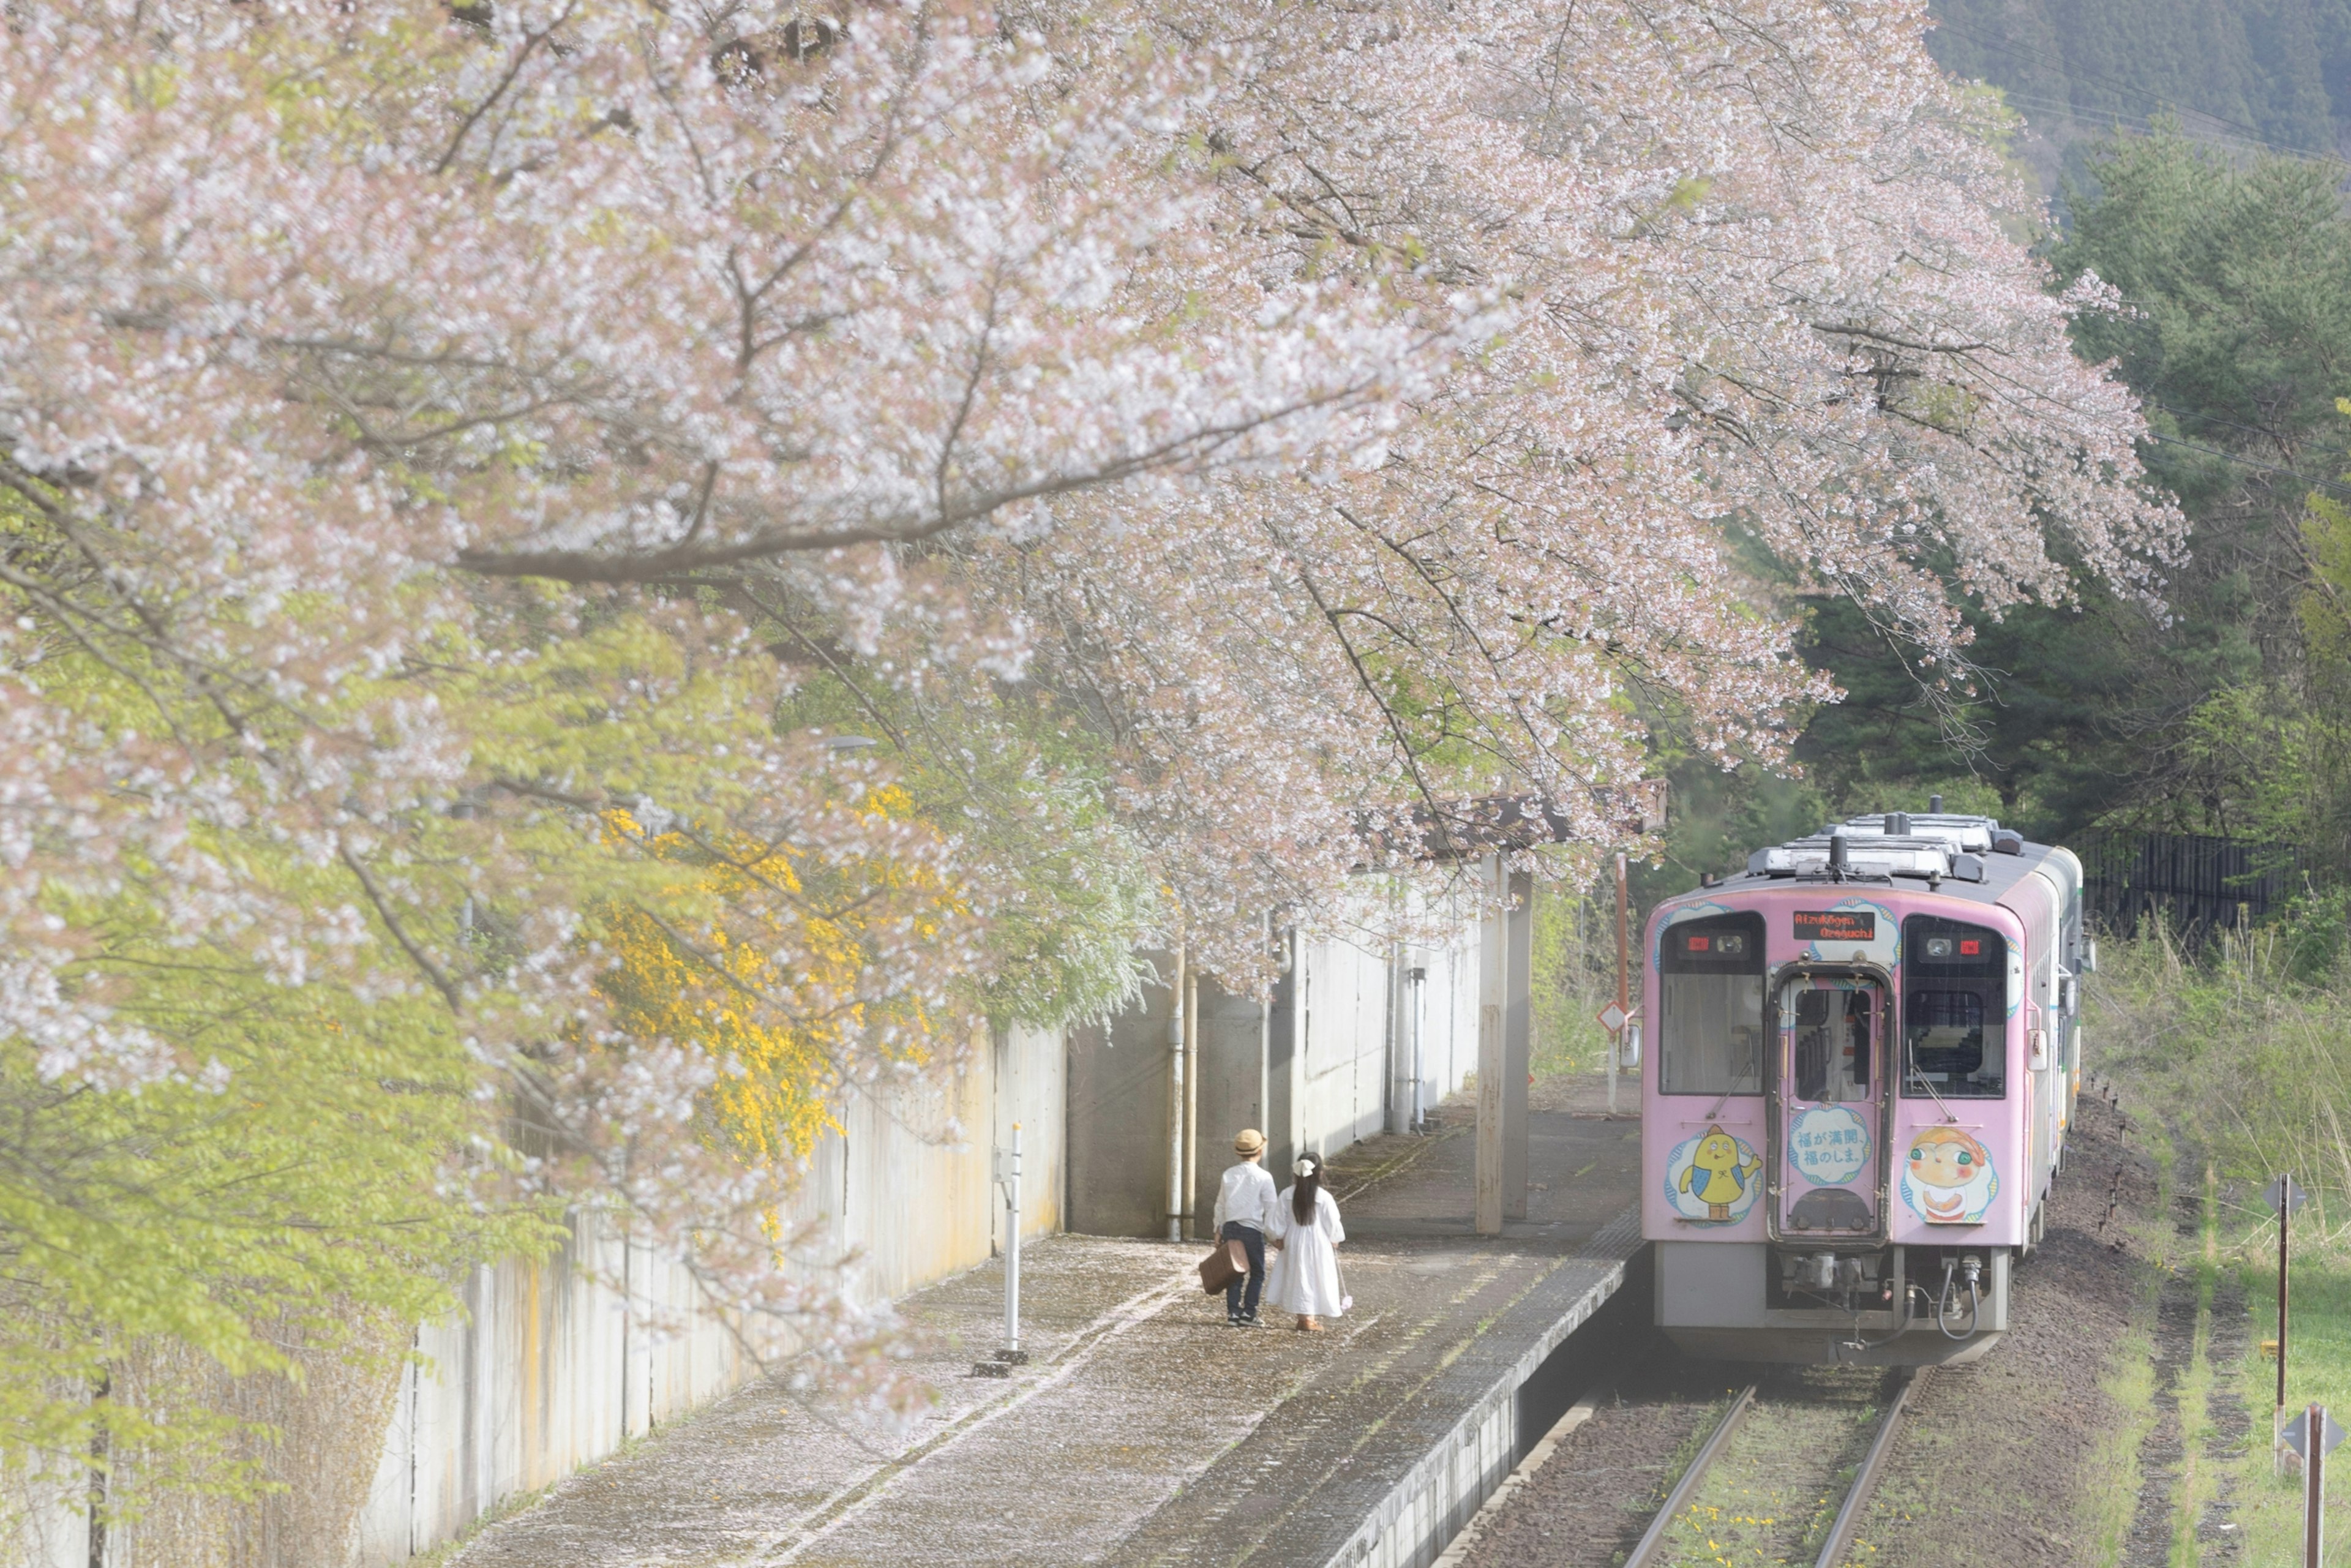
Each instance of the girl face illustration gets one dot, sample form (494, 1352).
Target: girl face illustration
(1946, 1161)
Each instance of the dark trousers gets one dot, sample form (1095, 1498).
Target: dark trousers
(1253, 1243)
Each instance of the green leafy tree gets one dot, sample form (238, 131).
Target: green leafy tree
(2217, 715)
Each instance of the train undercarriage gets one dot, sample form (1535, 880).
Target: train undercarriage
(1887, 1306)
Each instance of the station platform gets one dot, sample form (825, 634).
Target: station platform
(1144, 1430)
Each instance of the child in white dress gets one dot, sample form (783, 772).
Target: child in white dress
(1305, 1276)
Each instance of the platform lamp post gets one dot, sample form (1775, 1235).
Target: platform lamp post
(1007, 1180)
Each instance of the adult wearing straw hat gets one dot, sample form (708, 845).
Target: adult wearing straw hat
(1245, 1205)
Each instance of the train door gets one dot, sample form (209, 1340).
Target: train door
(1828, 1175)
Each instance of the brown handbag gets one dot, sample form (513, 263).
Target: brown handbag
(1229, 1262)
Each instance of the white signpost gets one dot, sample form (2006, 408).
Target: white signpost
(1007, 1179)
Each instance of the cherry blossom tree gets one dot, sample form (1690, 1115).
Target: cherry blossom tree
(462, 470)
(1761, 299)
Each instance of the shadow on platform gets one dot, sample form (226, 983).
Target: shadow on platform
(1144, 1430)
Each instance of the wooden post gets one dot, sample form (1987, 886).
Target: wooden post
(97, 1467)
(2313, 1488)
(1493, 984)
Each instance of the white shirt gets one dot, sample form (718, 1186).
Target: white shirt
(1246, 1198)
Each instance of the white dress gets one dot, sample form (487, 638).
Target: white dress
(1304, 1275)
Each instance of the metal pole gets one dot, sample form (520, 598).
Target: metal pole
(1624, 979)
(1013, 1253)
(2285, 1210)
(1176, 1102)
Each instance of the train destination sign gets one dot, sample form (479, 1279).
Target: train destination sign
(1836, 924)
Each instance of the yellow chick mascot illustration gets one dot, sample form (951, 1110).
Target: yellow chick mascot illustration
(1717, 1175)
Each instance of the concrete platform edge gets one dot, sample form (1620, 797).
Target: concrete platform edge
(1410, 1526)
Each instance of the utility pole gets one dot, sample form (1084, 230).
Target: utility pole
(1624, 979)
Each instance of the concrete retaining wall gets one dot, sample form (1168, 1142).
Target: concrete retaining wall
(1446, 1005)
(546, 1369)
(1411, 1526)
(1326, 1060)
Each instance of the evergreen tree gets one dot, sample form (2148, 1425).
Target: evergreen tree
(2217, 715)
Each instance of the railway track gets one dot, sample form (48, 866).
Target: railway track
(1804, 1459)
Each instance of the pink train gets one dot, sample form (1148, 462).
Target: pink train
(1864, 1055)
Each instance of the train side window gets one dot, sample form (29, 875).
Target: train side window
(1710, 992)
(1954, 1009)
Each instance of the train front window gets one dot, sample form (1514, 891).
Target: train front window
(1711, 988)
(1954, 1009)
(1832, 1045)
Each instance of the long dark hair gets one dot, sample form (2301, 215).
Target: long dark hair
(1301, 1201)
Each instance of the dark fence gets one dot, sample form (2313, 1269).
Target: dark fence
(2196, 882)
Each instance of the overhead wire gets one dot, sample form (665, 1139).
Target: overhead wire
(2213, 419)
(2245, 135)
(2335, 487)
(2145, 122)
(2252, 135)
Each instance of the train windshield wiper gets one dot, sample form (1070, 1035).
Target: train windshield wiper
(1911, 1063)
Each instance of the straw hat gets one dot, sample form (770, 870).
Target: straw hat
(1250, 1142)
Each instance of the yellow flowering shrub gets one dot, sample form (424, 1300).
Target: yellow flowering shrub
(760, 955)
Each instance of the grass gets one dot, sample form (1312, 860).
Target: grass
(2246, 1051)
(2318, 1368)
(1754, 1499)
(1573, 960)
(2112, 1471)
(1685, 1454)
(2201, 1480)
(2112, 1468)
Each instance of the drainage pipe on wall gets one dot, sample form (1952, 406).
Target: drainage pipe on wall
(1175, 1089)
(1191, 1103)
(1414, 979)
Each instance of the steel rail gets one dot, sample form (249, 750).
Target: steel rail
(1678, 1498)
(1864, 1479)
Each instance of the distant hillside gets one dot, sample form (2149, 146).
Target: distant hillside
(2253, 73)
